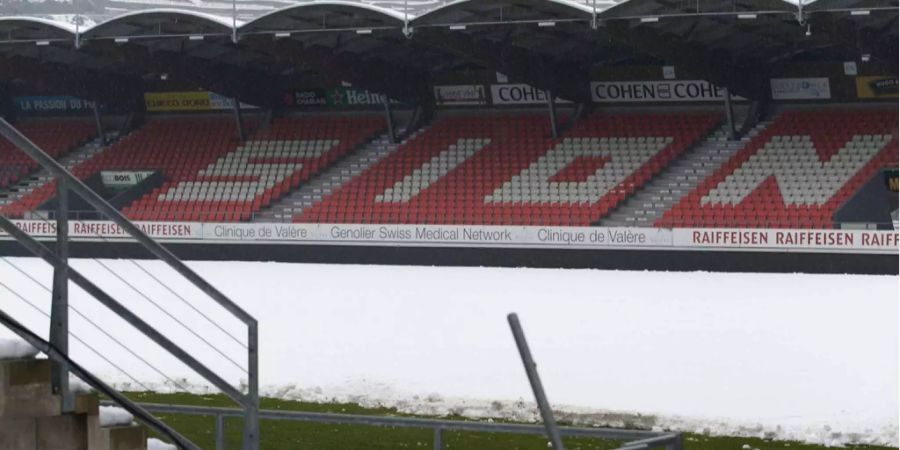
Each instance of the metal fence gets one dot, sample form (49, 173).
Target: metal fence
(634, 439)
(260, 217)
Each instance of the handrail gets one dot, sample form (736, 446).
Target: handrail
(250, 401)
(53, 353)
(47, 255)
(639, 438)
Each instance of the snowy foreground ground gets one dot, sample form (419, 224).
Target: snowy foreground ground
(806, 357)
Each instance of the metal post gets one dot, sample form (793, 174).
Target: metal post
(729, 113)
(59, 307)
(238, 118)
(677, 443)
(234, 36)
(551, 105)
(389, 117)
(220, 432)
(251, 410)
(535, 380)
(100, 133)
(438, 439)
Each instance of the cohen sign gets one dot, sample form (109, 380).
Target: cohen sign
(655, 91)
(519, 94)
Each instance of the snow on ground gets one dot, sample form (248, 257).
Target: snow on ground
(156, 444)
(805, 357)
(16, 348)
(111, 416)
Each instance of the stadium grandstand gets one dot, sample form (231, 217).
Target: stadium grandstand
(716, 135)
(634, 115)
(477, 148)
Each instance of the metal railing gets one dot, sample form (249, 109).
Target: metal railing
(59, 261)
(634, 439)
(61, 357)
(190, 216)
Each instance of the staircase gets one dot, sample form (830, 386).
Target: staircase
(30, 417)
(678, 179)
(28, 184)
(330, 179)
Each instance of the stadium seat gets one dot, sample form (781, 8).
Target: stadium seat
(54, 136)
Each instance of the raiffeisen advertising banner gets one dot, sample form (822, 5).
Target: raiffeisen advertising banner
(103, 230)
(787, 239)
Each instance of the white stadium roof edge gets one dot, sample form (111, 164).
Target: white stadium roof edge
(229, 24)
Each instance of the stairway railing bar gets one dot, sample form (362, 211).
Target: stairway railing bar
(98, 327)
(250, 402)
(44, 253)
(139, 412)
(76, 337)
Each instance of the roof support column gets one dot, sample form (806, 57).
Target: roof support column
(729, 113)
(389, 118)
(7, 107)
(551, 107)
(99, 122)
(238, 118)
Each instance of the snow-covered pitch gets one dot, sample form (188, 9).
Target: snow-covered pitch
(806, 357)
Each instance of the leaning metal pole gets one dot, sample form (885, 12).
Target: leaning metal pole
(59, 304)
(729, 113)
(551, 108)
(251, 403)
(535, 380)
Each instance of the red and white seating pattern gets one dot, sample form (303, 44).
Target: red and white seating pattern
(54, 136)
(177, 146)
(794, 174)
(609, 162)
(252, 175)
(507, 170)
(248, 171)
(431, 171)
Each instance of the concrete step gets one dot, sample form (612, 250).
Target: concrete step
(330, 180)
(31, 419)
(679, 178)
(25, 390)
(122, 437)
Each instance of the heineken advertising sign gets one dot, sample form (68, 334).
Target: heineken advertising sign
(340, 97)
